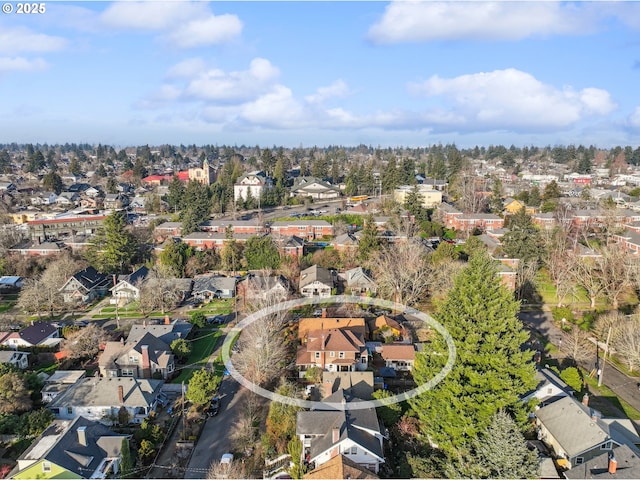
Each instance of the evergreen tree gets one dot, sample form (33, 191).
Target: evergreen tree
(113, 247)
(261, 253)
(52, 181)
(369, 241)
(174, 256)
(495, 200)
(390, 176)
(523, 240)
(126, 462)
(202, 385)
(231, 253)
(534, 197)
(491, 370)
(551, 191)
(500, 452)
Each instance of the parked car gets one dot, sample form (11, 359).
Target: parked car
(217, 320)
(227, 458)
(214, 407)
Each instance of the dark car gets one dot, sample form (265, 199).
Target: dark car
(214, 408)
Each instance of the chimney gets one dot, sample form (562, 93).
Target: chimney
(146, 365)
(82, 435)
(324, 313)
(167, 321)
(613, 465)
(585, 400)
(121, 394)
(335, 434)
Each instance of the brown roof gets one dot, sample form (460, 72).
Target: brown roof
(340, 467)
(337, 340)
(306, 325)
(398, 351)
(383, 320)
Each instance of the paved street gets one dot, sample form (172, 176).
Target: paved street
(214, 440)
(622, 385)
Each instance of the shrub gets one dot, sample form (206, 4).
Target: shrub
(559, 313)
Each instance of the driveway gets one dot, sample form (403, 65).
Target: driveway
(215, 438)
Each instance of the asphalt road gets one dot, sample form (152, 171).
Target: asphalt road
(215, 440)
(621, 384)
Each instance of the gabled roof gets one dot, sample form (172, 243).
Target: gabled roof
(103, 392)
(359, 276)
(60, 445)
(340, 467)
(577, 428)
(398, 351)
(355, 425)
(307, 325)
(337, 340)
(88, 278)
(37, 332)
(628, 465)
(134, 278)
(165, 333)
(211, 283)
(159, 351)
(316, 274)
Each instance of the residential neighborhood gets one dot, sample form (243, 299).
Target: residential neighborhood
(114, 315)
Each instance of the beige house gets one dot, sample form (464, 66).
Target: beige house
(430, 196)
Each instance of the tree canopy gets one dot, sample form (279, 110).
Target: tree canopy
(114, 247)
(491, 370)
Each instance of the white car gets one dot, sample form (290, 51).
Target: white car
(226, 459)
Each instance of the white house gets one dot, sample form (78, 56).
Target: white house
(101, 399)
(255, 182)
(18, 359)
(326, 433)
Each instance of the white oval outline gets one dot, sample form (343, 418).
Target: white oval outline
(288, 305)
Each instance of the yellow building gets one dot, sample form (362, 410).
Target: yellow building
(430, 197)
(205, 175)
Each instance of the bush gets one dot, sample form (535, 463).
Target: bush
(571, 376)
(559, 313)
(198, 319)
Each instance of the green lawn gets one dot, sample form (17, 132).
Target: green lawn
(221, 306)
(6, 306)
(202, 346)
(605, 391)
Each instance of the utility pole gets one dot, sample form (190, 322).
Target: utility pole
(604, 357)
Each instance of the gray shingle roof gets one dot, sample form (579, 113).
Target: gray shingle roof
(60, 445)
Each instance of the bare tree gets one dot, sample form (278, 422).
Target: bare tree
(576, 344)
(160, 290)
(402, 271)
(235, 469)
(525, 277)
(43, 293)
(263, 352)
(610, 320)
(585, 273)
(10, 235)
(626, 341)
(443, 276)
(616, 270)
(559, 260)
(86, 342)
(470, 191)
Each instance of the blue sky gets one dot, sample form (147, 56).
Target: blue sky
(322, 73)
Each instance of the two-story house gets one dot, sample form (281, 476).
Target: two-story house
(326, 433)
(85, 285)
(36, 334)
(316, 281)
(251, 185)
(334, 350)
(144, 357)
(78, 448)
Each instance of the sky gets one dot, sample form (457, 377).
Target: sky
(302, 73)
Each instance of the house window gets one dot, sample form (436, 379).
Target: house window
(127, 372)
(46, 466)
(69, 410)
(133, 359)
(549, 391)
(354, 450)
(341, 355)
(605, 446)
(363, 359)
(55, 411)
(317, 355)
(332, 354)
(579, 460)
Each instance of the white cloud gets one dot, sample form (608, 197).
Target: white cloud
(21, 39)
(337, 89)
(187, 68)
(209, 31)
(20, 64)
(410, 21)
(183, 24)
(634, 118)
(512, 99)
(277, 108)
(237, 86)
